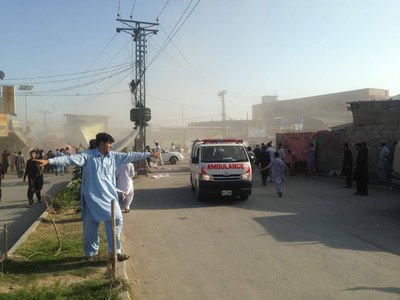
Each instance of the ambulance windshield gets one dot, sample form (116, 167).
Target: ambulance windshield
(223, 153)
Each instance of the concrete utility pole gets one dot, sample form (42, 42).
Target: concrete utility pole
(26, 87)
(140, 114)
(222, 95)
(45, 133)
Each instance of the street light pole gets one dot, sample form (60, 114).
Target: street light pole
(26, 87)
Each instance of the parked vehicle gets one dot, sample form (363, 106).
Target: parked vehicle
(220, 167)
(170, 156)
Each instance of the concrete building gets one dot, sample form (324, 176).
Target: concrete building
(374, 122)
(311, 113)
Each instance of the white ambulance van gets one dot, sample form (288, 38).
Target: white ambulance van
(220, 167)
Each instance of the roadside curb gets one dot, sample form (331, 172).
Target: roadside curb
(121, 272)
(28, 232)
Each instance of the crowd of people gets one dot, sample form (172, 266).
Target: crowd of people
(107, 176)
(266, 157)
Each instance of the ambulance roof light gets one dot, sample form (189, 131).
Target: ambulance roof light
(220, 141)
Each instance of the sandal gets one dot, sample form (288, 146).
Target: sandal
(122, 257)
(91, 258)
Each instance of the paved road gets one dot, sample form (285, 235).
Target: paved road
(317, 242)
(14, 210)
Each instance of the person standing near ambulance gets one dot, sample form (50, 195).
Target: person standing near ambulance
(264, 160)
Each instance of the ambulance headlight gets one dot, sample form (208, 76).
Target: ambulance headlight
(206, 177)
(247, 176)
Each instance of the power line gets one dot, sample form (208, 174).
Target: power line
(179, 66)
(66, 75)
(78, 95)
(170, 101)
(169, 38)
(83, 84)
(119, 8)
(184, 57)
(165, 5)
(133, 6)
(75, 78)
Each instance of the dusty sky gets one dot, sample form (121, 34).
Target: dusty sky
(70, 52)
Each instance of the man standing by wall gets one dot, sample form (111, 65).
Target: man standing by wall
(383, 166)
(311, 159)
(347, 167)
(361, 171)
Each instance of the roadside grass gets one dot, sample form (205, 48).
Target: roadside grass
(50, 263)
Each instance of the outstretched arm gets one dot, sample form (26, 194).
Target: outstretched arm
(41, 162)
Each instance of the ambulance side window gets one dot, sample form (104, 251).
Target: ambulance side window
(195, 157)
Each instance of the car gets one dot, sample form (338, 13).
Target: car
(170, 156)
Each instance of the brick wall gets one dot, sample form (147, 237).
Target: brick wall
(374, 122)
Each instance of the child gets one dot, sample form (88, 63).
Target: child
(278, 168)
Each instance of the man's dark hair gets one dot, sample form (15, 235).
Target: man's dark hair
(103, 137)
(92, 144)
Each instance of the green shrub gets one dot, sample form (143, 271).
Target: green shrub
(68, 198)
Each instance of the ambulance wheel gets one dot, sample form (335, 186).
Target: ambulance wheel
(244, 197)
(191, 183)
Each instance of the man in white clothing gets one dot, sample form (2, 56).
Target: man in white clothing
(159, 151)
(124, 174)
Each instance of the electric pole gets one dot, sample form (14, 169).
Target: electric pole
(44, 119)
(222, 95)
(139, 114)
(45, 133)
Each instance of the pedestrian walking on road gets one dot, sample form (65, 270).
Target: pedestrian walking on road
(125, 174)
(347, 165)
(5, 156)
(1, 176)
(278, 168)
(35, 178)
(20, 164)
(310, 159)
(99, 190)
(264, 160)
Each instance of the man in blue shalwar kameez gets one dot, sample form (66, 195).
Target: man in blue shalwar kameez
(98, 190)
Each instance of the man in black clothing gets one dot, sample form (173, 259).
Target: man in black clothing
(347, 168)
(263, 161)
(1, 176)
(256, 152)
(35, 178)
(361, 171)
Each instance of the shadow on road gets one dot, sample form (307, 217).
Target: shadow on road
(312, 210)
(391, 290)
